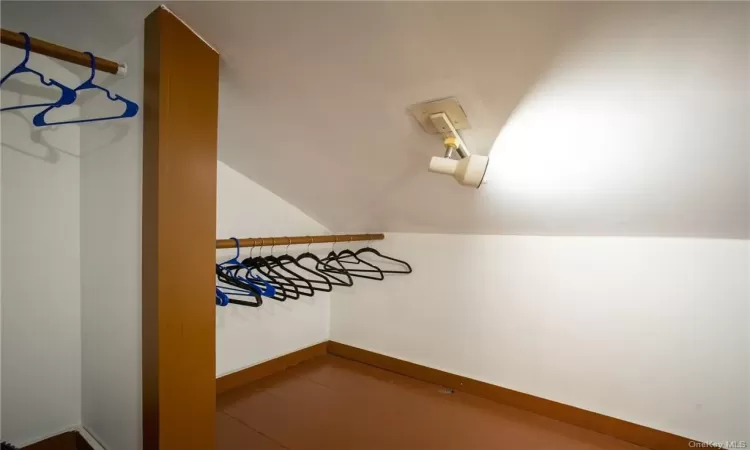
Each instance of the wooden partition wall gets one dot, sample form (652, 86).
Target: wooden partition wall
(181, 94)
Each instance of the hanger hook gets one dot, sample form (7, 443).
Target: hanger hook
(288, 244)
(309, 243)
(273, 244)
(93, 68)
(113, 97)
(236, 247)
(26, 47)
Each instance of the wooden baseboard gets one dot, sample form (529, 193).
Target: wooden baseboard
(262, 370)
(70, 440)
(626, 431)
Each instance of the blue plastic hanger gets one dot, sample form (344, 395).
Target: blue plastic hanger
(223, 299)
(268, 290)
(234, 284)
(67, 95)
(235, 287)
(131, 108)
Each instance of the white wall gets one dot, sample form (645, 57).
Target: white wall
(71, 206)
(41, 385)
(247, 336)
(649, 330)
(111, 262)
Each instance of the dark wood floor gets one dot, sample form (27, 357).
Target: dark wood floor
(331, 403)
(70, 440)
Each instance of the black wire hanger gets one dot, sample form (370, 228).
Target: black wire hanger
(302, 286)
(334, 280)
(369, 249)
(347, 253)
(287, 259)
(284, 287)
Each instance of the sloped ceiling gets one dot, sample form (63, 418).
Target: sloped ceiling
(613, 119)
(600, 118)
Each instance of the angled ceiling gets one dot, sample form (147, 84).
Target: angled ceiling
(613, 119)
(600, 118)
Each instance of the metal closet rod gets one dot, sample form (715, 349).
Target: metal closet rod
(291, 240)
(59, 52)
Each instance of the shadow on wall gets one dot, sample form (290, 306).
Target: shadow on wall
(44, 143)
(120, 21)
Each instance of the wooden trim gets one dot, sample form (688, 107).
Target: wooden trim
(180, 123)
(264, 369)
(626, 431)
(58, 52)
(70, 440)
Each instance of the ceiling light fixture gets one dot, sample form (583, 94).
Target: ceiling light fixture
(467, 169)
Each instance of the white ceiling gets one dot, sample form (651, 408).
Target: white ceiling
(613, 118)
(630, 119)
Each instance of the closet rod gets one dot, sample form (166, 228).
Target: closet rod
(58, 52)
(291, 240)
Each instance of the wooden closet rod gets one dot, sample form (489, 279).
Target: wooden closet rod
(291, 240)
(59, 52)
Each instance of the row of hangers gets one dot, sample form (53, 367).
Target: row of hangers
(287, 277)
(67, 95)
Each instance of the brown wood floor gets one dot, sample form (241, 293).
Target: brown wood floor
(71, 440)
(331, 403)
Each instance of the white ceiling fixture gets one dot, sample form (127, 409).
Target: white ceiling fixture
(444, 117)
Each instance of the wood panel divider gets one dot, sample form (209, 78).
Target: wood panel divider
(180, 123)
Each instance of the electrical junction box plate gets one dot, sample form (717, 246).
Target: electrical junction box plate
(449, 106)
